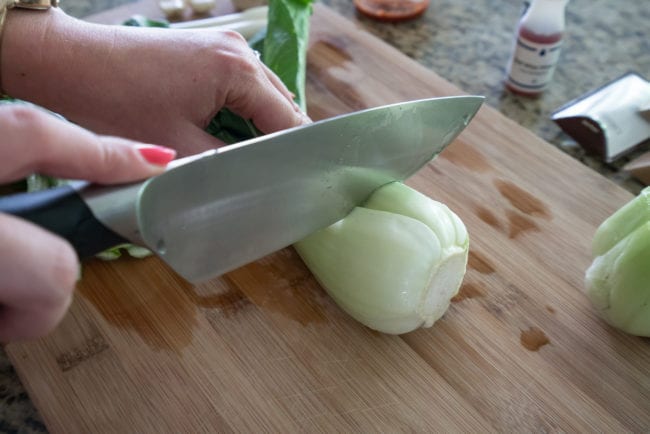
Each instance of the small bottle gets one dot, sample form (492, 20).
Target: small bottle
(537, 49)
(392, 10)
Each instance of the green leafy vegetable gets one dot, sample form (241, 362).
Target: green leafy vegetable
(116, 252)
(231, 128)
(394, 263)
(142, 21)
(36, 182)
(618, 280)
(285, 45)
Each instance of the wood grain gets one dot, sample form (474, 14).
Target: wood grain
(263, 348)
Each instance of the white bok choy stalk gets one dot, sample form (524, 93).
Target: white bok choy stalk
(248, 23)
(618, 280)
(394, 263)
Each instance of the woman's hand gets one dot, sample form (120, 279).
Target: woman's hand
(148, 84)
(38, 270)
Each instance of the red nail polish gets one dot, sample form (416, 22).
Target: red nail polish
(158, 155)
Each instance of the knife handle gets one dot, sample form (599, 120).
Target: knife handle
(63, 211)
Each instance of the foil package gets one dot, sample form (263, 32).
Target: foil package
(610, 121)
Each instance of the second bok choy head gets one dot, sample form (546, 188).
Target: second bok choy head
(618, 280)
(394, 263)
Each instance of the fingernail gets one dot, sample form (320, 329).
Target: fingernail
(301, 113)
(305, 118)
(158, 155)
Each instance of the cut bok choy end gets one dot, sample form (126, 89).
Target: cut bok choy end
(618, 280)
(202, 6)
(394, 263)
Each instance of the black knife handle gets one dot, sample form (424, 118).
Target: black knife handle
(63, 211)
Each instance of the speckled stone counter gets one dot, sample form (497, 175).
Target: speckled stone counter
(467, 42)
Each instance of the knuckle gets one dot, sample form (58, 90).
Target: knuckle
(22, 121)
(108, 157)
(243, 67)
(237, 57)
(20, 117)
(234, 38)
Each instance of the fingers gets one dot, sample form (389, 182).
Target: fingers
(38, 270)
(192, 139)
(38, 273)
(258, 94)
(279, 85)
(35, 141)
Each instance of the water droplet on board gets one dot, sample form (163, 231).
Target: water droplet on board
(518, 224)
(533, 338)
(468, 290)
(486, 215)
(521, 199)
(465, 155)
(479, 262)
(164, 316)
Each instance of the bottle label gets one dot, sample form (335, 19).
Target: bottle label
(532, 64)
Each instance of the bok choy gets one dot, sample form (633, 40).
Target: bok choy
(618, 280)
(394, 263)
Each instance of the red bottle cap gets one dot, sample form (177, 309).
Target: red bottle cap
(391, 10)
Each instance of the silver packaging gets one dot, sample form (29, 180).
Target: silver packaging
(610, 121)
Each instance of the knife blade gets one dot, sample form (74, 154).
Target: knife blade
(210, 213)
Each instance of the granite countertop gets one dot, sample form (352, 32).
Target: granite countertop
(467, 42)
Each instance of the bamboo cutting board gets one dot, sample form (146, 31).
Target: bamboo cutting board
(265, 349)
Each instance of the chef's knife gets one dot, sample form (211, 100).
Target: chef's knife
(213, 212)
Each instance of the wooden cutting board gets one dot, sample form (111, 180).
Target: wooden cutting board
(265, 349)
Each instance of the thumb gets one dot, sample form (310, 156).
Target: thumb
(35, 141)
(38, 272)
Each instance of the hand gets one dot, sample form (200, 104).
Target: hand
(155, 85)
(38, 270)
